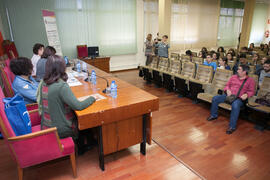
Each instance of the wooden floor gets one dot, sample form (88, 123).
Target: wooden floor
(180, 128)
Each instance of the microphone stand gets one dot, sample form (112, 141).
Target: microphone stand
(107, 87)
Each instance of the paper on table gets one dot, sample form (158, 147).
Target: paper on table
(97, 96)
(72, 81)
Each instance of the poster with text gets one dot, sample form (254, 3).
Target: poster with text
(51, 30)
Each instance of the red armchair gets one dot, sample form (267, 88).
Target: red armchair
(37, 147)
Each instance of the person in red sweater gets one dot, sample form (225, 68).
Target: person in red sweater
(232, 87)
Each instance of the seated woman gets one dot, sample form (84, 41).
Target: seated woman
(24, 84)
(221, 51)
(223, 63)
(215, 56)
(57, 102)
(49, 50)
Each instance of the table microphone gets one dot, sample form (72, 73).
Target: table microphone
(88, 80)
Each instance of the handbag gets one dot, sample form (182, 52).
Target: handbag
(230, 99)
(17, 115)
(264, 100)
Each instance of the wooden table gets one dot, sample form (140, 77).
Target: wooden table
(103, 63)
(121, 122)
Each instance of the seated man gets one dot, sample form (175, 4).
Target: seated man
(242, 61)
(209, 62)
(232, 87)
(265, 72)
(24, 83)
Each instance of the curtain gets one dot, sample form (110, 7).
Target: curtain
(259, 23)
(111, 25)
(150, 17)
(230, 22)
(194, 23)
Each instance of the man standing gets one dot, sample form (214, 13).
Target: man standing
(163, 47)
(38, 51)
(232, 87)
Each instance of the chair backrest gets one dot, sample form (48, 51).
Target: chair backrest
(176, 56)
(185, 58)
(175, 67)
(154, 63)
(252, 69)
(221, 77)
(188, 69)
(8, 70)
(197, 60)
(163, 64)
(256, 79)
(7, 85)
(265, 87)
(204, 73)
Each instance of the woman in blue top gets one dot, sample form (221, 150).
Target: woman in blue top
(24, 84)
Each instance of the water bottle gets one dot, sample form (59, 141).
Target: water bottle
(113, 90)
(84, 67)
(78, 66)
(93, 77)
(66, 59)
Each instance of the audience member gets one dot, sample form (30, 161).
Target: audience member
(232, 87)
(209, 62)
(215, 56)
(57, 102)
(49, 50)
(221, 51)
(189, 53)
(265, 48)
(202, 54)
(204, 50)
(149, 45)
(265, 72)
(38, 51)
(223, 63)
(255, 58)
(232, 52)
(24, 84)
(241, 61)
(259, 67)
(163, 47)
(229, 57)
(244, 50)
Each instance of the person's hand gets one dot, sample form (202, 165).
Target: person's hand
(228, 92)
(244, 97)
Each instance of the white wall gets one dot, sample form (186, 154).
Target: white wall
(132, 60)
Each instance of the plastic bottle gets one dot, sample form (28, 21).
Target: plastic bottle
(78, 66)
(84, 67)
(113, 89)
(66, 59)
(93, 77)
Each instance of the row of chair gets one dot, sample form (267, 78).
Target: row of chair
(187, 78)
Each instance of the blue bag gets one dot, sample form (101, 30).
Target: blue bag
(17, 115)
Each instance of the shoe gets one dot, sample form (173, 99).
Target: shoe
(230, 131)
(211, 118)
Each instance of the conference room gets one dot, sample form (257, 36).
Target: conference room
(135, 89)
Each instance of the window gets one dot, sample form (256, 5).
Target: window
(230, 24)
(150, 17)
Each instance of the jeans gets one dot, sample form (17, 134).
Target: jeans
(236, 106)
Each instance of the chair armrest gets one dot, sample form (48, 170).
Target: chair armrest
(34, 117)
(37, 147)
(251, 100)
(36, 135)
(30, 107)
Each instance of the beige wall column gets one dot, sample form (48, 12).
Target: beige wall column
(247, 22)
(164, 17)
